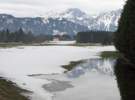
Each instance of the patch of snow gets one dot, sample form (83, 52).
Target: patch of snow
(57, 32)
(16, 64)
(62, 42)
(92, 81)
(10, 21)
(91, 86)
(45, 21)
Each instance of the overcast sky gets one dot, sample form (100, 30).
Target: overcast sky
(40, 7)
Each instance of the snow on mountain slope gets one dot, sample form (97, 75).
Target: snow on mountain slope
(70, 21)
(74, 15)
(107, 21)
(40, 25)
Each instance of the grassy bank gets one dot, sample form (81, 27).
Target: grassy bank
(14, 44)
(86, 44)
(110, 54)
(8, 91)
(9, 45)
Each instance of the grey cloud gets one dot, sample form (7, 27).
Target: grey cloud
(36, 7)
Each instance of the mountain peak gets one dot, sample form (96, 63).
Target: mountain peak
(68, 13)
(76, 12)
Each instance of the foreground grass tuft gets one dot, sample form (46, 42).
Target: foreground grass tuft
(8, 91)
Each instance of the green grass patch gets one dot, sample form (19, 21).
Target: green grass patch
(72, 65)
(110, 54)
(9, 91)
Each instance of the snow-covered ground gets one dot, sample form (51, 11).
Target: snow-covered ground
(62, 42)
(19, 62)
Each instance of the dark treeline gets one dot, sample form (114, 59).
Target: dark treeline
(102, 37)
(28, 37)
(21, 36)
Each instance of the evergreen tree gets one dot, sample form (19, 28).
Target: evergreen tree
(125, 44)
(20, 35)
(125, 35)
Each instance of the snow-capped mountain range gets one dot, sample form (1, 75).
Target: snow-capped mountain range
(107, 21)
(69, 21)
